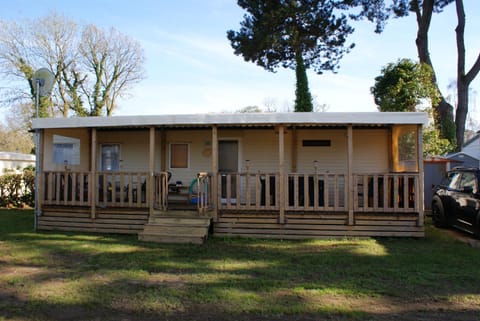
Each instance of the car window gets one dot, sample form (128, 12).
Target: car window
(468, 180)
(454, 180)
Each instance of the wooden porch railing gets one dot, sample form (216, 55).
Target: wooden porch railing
(160, 191)
(325, 192)
(203, 192)
(248, 191)
(386, 193)
(66, 188)
(114, 189)
(316, 192)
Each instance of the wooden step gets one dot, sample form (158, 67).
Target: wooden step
(180, 221)
(176, 229)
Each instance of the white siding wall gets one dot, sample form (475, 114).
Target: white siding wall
(15, 162)
(370, 151)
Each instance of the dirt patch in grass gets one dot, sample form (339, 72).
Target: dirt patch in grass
(19, 271)
(161, 280)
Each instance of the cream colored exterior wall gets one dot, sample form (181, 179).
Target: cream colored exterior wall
(79, 133)
(200, 153)
(134, 149)
(259, 146)
(332, 159)
(370, 151)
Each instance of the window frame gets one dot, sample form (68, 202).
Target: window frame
(60, 144)
(170, 156)
(102, 159)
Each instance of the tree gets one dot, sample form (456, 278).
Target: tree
(423, 10)
(298, 34)
(433, 144)
(114, 61)
(14, 134)
(403, 85)
(92, 68)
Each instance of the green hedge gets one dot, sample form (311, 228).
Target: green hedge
(17, 190)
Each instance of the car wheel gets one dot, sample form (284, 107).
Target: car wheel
(438, 214)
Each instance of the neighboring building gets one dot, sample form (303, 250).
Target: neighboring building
(273, 175)
(469, 156)
(15, 162)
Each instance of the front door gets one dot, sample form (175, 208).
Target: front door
(228, 164)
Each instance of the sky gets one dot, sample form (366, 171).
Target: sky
(191, 68)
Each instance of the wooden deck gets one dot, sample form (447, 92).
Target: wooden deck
(175, 227)
(305, 226)
(242, 204)
(107, 220)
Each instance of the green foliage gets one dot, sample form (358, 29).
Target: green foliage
(402, 86)
(293, 34)
(17, 190)
(303, 98)
(433, 144)
(273, 32)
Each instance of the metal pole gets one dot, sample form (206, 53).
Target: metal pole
(37, 160)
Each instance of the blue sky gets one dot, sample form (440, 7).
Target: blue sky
(191, 67)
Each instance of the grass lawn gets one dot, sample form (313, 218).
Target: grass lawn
(73, 276)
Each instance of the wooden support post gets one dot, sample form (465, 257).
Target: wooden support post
(163, 148)
(151, 169)
(215, 172)
(350, 195)
(93, 172)
(281, 168)
(420, 197)
(294, 152)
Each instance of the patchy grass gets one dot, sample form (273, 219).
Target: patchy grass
(73, 276)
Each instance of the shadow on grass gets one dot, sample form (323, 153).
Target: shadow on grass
(99, 277)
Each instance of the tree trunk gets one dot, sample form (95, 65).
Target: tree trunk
(443, 111)
(463, 79)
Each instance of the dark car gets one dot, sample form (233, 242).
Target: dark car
(456, 201)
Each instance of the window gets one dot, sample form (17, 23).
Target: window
(316, 143)
(178, 155)
(455, 181)
(66, 150)
(110, 157)
(468, 180)
(404, 148)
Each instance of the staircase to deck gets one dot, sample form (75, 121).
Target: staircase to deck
(176, 227)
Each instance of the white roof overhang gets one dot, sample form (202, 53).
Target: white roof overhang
(327, 119)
